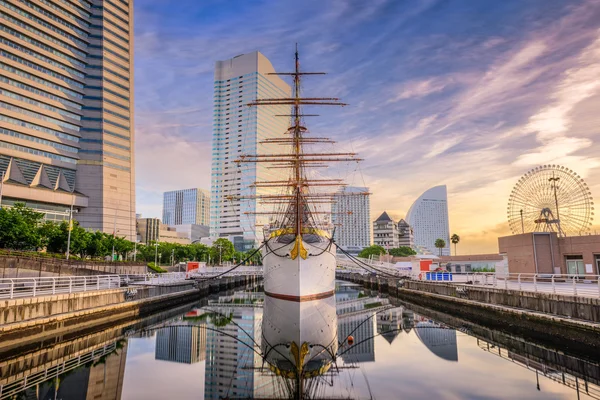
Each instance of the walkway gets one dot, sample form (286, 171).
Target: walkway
(573, 285)
(13, 288)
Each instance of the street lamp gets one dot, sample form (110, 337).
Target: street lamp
(1, 188)
(156, 255)
(70, 211)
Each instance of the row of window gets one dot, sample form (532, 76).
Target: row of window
(39, 33)
(105, 131)
(41, 57)
(39, 92)
(42, 46)
(116, 166)
(101, 57)
(39, 116)
(106, 121)
(39, 128)
(99, 109)
(106, 142)
(59, 146)
(114, 103)
(37, 152)
(39, 80)
(43, 70)
(39, 104)
(104, 48)
(111, 13)
(118, 7)
(54, 18)
(71, 6)
(108, 70)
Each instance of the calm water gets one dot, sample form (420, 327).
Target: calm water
(241, 345)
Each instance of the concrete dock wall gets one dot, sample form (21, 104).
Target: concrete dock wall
(15, 266)
(44, 317)
(584, 308)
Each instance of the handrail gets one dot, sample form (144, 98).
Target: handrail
(565, 284)
(12, 288)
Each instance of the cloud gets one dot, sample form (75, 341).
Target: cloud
(419, 89)
(465, 94)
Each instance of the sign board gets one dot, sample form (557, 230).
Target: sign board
(589, 269)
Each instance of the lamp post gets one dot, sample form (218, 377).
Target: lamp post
(135, 250)
(156, 254)
(1, 188)
(70, 211)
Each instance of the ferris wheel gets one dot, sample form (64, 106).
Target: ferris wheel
(550, 198)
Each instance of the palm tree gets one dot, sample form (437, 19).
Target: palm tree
(440, 244)
(455, 239)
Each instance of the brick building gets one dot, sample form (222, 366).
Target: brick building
(546, 253)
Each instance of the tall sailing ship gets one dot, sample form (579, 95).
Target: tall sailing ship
(299, 253)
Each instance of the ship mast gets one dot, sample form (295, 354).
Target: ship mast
(298, 197)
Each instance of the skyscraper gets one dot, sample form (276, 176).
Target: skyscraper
(237, 130)
(428, 217)
(66, 110)
(351, 216)
(188, 206)
(183, 344)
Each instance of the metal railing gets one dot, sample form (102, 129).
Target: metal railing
(12, 288)
(565, 284)
(153, 279)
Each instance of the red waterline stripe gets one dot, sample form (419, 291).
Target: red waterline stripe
(309, 297)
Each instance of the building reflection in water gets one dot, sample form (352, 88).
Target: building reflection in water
(183, 343)
(95, 373)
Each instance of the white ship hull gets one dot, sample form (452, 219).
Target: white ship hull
(299, 279)
(286, 322)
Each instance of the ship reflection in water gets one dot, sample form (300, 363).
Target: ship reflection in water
(247, 345)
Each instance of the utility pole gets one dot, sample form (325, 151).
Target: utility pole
(156, 255)
(172, 257)
(1, 188)
(114, 236)
(70, 225)
(554, 181)
(134, 250)
(522, 225)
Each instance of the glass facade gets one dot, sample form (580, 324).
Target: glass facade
(57, 97)
(238, 130)
(188, 206)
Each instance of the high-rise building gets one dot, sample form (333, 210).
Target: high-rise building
(182, 344)
(428, 217)
(66, 110)
(385, 232)
(188, 206)
(232, 366)
(351, 216)
(238, 130)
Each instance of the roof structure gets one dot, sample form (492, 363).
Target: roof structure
(383, 217)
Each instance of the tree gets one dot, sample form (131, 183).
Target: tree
(374, 250)
(440, 244)
(19, 228)
(402, 251)
(455, 239)
(222, 250)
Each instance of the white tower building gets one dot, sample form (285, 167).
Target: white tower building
(237, 130)
(351, 216)
(428, 217)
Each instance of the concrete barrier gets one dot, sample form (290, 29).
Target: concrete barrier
(14, 266)
(584, 308)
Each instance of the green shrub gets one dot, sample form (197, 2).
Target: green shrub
(156, 268)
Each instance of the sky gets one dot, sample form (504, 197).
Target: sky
(470, 94)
